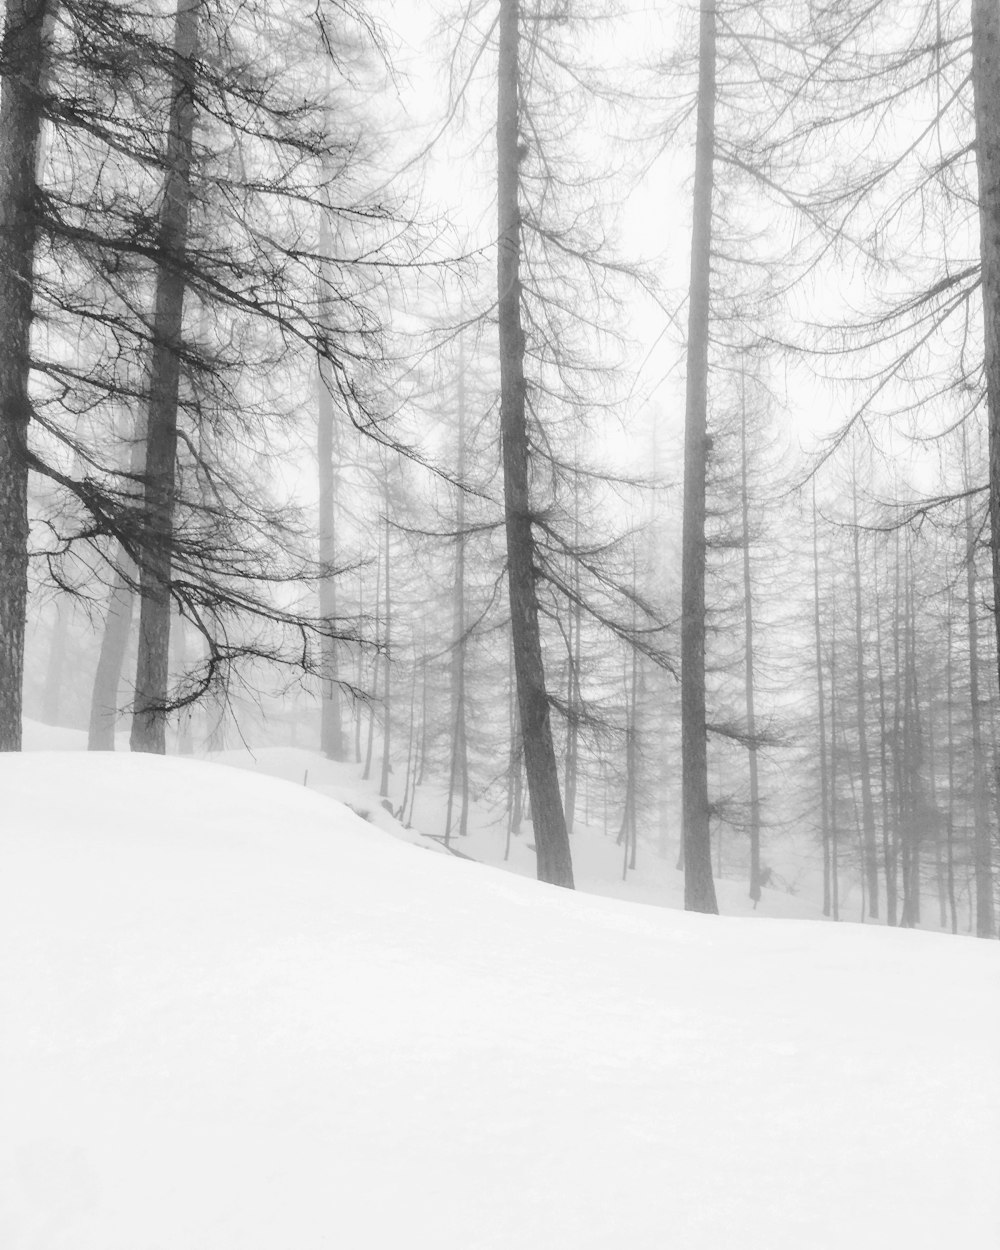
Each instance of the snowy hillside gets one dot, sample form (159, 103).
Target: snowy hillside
(236, 1016)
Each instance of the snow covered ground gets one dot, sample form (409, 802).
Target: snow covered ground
(237, 1016)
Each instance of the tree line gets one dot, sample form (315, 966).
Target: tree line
(282, 424)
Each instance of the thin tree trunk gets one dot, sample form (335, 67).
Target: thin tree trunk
(915, 745)
(749, 654)
(888, 856)
(331, 730)
(153, 663)
(24, 54)
(950, 826)
(824, 785)
(369, 703)
(458, 776)
(383, 788)
(104, 702)
(573, 655)
(699, 887)
(870, 866)
(56, 666)
(981, 851)
(834, 760)
(551, 841)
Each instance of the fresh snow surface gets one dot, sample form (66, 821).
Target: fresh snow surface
(236, 1016)
(597, 858)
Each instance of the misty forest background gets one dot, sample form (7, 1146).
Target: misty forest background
(591, 412)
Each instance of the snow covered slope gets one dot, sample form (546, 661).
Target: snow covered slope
(235, 1016)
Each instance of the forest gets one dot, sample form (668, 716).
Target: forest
(588, 413)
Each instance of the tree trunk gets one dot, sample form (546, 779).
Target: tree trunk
(888, 849)
(981, 849)
(153, 664)
(870, 866)
(834, 760)
(749, 654)
(383, 788)
(824, 786)
(459, 772)
(950, 819)
(56, 666)
(986, 92)
(551, 840)
(699, 888)
(104, 702)
(331, 730)
(24, 59)
(573, 658)
(369, 703)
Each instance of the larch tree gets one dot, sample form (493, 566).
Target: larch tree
(699, 887)
(159, 470)
(23, 60)
(551, 838)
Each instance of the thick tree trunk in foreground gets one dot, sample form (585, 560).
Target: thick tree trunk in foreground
(20, 126)
(699, 888)
(986, 89)
(149, 720)
(551, 839)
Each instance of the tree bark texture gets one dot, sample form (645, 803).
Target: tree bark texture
(20, 127)
(149, 719)
(699, 887)
(551, 840)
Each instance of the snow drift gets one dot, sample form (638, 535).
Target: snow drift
(237, 1017)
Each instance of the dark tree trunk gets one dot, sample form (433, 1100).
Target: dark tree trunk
(986, 92)
(24, 59)
(551, 840)
(699, 887)
(153, 664)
